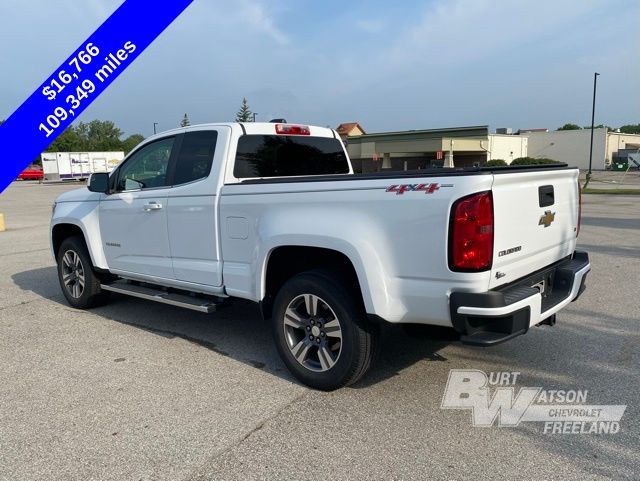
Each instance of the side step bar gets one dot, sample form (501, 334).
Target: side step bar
(157, 295)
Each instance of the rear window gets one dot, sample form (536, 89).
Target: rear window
(286, 156)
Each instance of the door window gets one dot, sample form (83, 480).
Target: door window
(196, 156)
(146, 168)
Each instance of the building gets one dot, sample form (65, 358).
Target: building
(421, 149)
(475, 145)
(621, 145)
(527, 131)
(572, 146)
(507, 147)
(350, 129)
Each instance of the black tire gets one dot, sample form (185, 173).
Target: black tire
(78, 281)
(329, 362)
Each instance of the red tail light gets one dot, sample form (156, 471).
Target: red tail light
(286, 129)
(579, 208)
(471, 233)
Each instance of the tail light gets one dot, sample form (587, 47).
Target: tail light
(471, 233)
(579, 209)
(286, 129)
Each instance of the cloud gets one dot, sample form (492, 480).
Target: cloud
(473, 30)
(479, 61)
(256, 16)
(391, 66)
(370, 25)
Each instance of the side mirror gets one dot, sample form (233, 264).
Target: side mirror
(99, 182)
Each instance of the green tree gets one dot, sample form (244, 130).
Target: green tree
(1, 122)
(497, 163)
(599, 126)
(131, 142)
(244, 114)
(185, 122)
(533, 161)
(570, 127)
(103, 135)
(67, 141)
(82, 131)
(630, 129)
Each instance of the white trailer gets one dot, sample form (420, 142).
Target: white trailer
(78, 165)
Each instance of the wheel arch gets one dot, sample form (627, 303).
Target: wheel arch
(285, 261)
(60, 232)
(63, 230)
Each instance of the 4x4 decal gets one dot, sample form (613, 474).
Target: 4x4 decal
(400, 189)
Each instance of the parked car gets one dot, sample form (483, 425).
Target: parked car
(33, 172)
(273, 213)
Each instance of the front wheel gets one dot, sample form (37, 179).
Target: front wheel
(321, 331)
(80, 285)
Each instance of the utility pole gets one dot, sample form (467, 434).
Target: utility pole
(593, 116)
(154, 127)
(254, 117)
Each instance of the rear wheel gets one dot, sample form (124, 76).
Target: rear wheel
(321, 331)
(79, 283)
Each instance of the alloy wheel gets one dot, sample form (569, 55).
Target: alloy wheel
(73, 274)
(313, 332)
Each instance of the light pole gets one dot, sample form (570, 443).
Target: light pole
(154, 127)
(593, 116)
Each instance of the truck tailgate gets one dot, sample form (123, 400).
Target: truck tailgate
(535, 221)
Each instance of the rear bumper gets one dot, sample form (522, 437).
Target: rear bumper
(485, 319)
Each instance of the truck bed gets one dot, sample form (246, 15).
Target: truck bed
(395, 174)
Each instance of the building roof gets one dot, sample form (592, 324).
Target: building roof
(455, 132)
(344, 129)
(526, 131)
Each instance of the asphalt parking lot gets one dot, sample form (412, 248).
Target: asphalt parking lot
(143, 391)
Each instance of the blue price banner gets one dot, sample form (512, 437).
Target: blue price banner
(80, 79)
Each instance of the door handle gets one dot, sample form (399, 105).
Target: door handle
(152, 206)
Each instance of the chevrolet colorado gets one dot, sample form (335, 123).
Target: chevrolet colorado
(273, 213)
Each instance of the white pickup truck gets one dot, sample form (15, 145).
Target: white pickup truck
(273, 213)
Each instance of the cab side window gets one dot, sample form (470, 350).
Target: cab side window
(196, 156)
(147, 168)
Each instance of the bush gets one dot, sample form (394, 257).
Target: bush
(497, 163)
(532, 161)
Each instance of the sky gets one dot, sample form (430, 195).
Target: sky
(388, 65)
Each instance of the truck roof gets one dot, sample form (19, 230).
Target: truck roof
(252, 128)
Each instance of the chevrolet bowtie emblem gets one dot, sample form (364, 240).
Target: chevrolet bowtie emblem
(547, 218)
